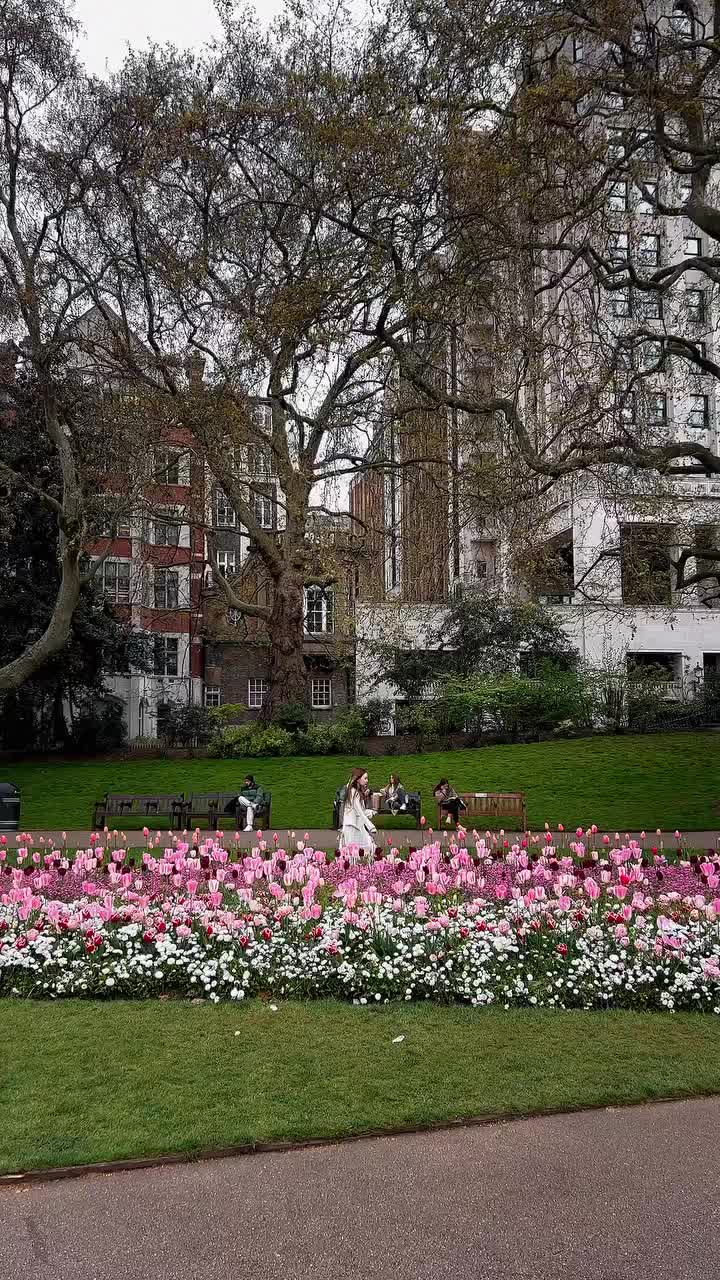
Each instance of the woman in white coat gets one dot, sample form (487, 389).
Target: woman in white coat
(357, 828)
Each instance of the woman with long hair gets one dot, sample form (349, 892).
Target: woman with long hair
(358, 828)
(395, 795)
(449, 801)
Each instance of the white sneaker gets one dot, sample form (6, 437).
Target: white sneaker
(403, 807)
(247, 828)
(448, 820)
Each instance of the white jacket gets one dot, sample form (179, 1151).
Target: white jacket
(357, 827)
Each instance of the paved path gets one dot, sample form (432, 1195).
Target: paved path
(610, 1195)
(326, 838)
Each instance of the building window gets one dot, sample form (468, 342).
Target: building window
(578, 49)
(166, 655)
(695, 305)
(698, 412)
(681, 22)
(618, 247)
(644, 564)
(166, 589)
(650, 356)
(619, 303)
(657, 410)
(647, 199)
(166, 533)
(650, 250)
(167, 466)
(624, 358)
(109, 524)
(257, 692)
(701, 353)
(262, 417)
(226, 562)
(616, 142)
(212, 697)
(114, 580)
(618, 197)
(692, 247)
(321, 692)
(648, 306)
(260, 461)
(263, 510)
(319, 610)
(642, 42)
(225, 516)
(625, 406)
(614, 102)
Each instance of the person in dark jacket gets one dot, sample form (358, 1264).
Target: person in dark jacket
(395, 795)
(449, 801)
(249, 795)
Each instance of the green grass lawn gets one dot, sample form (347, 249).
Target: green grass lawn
(82, 1082)
(623, 783)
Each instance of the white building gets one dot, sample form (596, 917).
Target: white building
(601, 545)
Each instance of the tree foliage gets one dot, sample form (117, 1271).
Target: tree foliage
(64, 702)
(484, 635)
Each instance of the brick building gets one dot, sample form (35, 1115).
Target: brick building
(237, 646)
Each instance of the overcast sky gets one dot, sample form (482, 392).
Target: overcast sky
(112, 25)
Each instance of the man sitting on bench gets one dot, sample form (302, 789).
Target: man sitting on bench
(248, 799)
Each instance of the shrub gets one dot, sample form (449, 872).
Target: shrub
(516, 705)
(422, 719)
(232, 741)
(272, 741)
(248, 740)
(229, 713)
(374, 713)
(314, 741)
(99, 729)
(293, 716)
(346, 732)
(187, 725)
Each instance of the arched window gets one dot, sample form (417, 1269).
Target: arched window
(682, 22)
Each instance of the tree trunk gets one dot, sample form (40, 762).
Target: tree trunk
(288, 676)
(71, 529)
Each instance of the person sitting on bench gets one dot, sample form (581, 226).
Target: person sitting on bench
(449, 801)
(248, 798)
(394, 795)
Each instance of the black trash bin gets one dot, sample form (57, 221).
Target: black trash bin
(9, 807)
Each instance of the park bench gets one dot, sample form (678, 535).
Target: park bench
(413, 808)
(503, 808)
(150, 808)
(216, 807)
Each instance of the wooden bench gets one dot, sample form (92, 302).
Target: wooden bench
(413, 808)
(150, 808)
(503, 808)
(216, 807)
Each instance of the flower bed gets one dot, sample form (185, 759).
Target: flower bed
(469, 920)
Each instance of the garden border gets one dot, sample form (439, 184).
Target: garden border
(62, 1172)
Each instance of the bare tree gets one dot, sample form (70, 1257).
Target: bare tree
(47, 116)
(277, 211)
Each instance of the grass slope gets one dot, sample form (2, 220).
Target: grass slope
(82, 1082)
(624, 783)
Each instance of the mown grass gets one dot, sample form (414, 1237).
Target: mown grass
(82, 1082)
(623, 783)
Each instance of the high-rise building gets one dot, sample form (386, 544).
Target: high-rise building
(616, 548)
